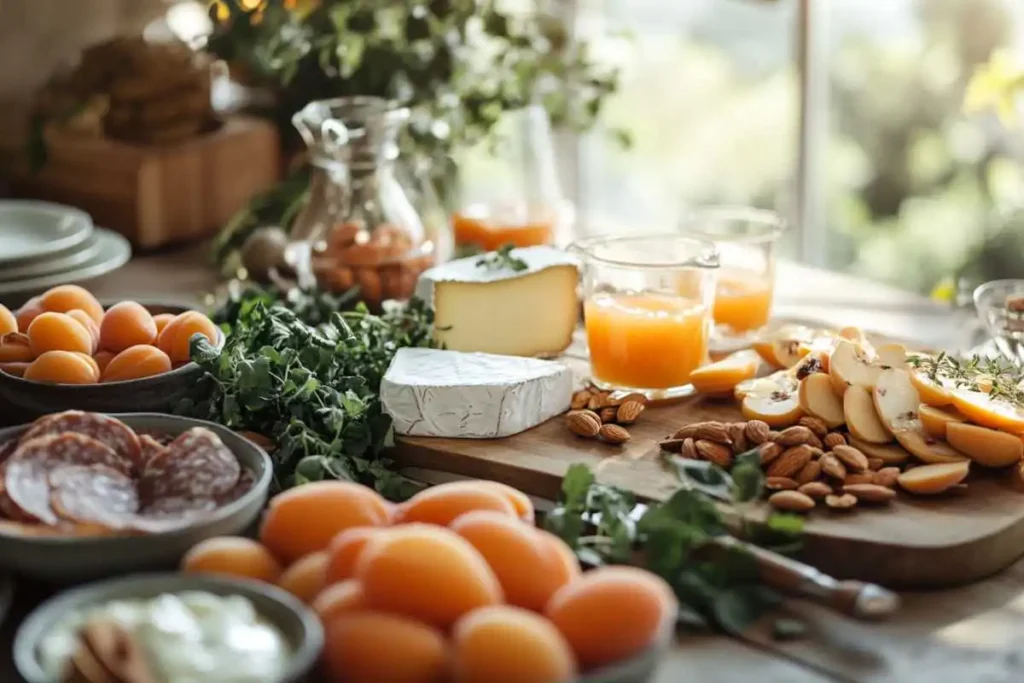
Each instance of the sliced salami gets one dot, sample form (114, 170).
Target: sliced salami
(161, 437)
(166, 514)
(93, 494)
(149, 449)
(196, 465)
(105, 429)
(26, 477)
(245, 482)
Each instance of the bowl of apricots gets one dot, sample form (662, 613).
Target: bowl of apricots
(65, 350)
(456, 585)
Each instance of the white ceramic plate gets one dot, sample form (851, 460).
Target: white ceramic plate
(30, 229)
(113, 252)
(52, 264)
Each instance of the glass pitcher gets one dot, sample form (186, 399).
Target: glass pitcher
(359, 226)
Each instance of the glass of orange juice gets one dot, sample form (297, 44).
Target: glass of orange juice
(746, 239)
(647, 310)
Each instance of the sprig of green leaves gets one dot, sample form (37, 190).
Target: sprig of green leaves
(502, 259)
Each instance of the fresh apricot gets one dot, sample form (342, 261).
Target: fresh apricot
(126, 324)
(527, 567)
(338, 598)
(176, 338)
(64, 298)
(61, 367)
(136, 362)
(305, 577)
(567, 564)
(443, 503)
(233, 556)
(520, 501)
(612, 613)
(503, 644)
(103, 359)
(304, 519)
(8, 323)
(27, 313)
(426, 572)
(92, 364)
(89, 324)
(161, 320)
(370, 646)
(344, 550)
(15, 348)
(58, 332)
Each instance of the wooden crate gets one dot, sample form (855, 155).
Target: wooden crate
(157, 196)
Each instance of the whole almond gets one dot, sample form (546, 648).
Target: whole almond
(671, 445)
(790, 462)
(598, 400)
(809, 473)
(794, 436)
(780, 484)
(773, 435)
(608, 414)
(580, 399)
(714, 452)
(756, 432)
(738, 436)
(690, 449)
(852, 458)
(886, 476)
(870, 493)
(813, 440)
(815, 424)
(815, 489)
(613, 434)
(713, 431)
(635, 396)
(831, 467)
(687, 431)
(769, 452)
(833, 439)
(859, 478)
(791, 501)
(844, 501)
(584, 423)
(815, 451)
(629, 411)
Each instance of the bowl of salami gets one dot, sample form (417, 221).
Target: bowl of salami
(87, 495)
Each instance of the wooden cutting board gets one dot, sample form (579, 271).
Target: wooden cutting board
(914, 542)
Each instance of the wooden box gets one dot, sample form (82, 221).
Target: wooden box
(158, 195)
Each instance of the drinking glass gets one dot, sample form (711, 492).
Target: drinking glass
(647, 310)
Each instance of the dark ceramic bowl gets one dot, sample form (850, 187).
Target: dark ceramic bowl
(300, 627)
(68, 559)
(157, 394)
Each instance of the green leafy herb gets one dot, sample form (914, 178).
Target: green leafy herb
(502, 259)
(992, 376)
(312, 389)
(313, 306)
(717, 586)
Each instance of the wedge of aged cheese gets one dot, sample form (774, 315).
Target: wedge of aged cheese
(431, 392)
(530, 312)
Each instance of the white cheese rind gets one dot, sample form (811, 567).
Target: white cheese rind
(432, 392)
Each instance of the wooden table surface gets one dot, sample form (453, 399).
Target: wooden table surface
(968, 634)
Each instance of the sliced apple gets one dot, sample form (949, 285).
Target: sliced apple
(997, 413)
(861, 416)
(896, 400)
(987, 447)
(934, 420)
(854, 334)
(780, 347)
(932, 479)
(890, 453)
(821, 348)
(773, 399)
(891, 356)
(926, 448)
(819, 400)
(723, 376)
(851, 364)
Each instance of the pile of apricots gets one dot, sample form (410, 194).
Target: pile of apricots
(65, 337)
(455, 585)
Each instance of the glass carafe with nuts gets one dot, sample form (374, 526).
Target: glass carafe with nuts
(358, 227)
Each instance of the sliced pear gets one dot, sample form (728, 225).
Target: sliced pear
(819, 400)
(812, 362)
(851, 364)
(890, 453)
(891, 356)
(784, 340)
(861, 416)
(934, 420)
(896, 400)
(854, 334)
(987, 447)
(788, 352)
(723, 376)
(932, 479)
(997, 413)
(821, 348)
(773, 399)
(925, 448)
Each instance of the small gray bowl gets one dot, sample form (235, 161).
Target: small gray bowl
(638, 669)
(68, 559)
(297, 623)
(157, 394)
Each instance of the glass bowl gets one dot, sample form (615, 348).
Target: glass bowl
(1000, 307)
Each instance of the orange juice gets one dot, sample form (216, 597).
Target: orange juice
(743, 300)
(645, 341)
(491, 228)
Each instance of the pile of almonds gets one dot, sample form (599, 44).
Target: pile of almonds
(601, 414)
(804, 465)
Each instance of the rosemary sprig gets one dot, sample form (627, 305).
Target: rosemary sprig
(502, 259)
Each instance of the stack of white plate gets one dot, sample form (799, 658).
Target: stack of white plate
(43, 245)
